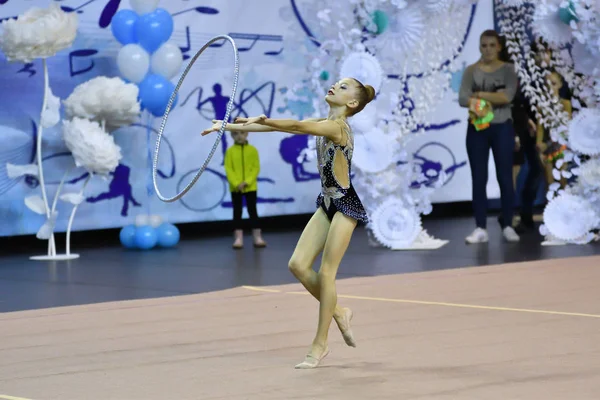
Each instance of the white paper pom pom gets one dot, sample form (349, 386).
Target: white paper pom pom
(92, 148)
(105, 99)
(38, 33)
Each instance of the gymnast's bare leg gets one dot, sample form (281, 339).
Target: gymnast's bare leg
(337, 238)
(311, 243)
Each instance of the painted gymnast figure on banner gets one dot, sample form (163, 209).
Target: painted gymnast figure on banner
(213, 108)
(293, 149)
(339, 208)
(263, 96)
(120, 186)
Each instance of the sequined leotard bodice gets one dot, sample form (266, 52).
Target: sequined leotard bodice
(336, 184)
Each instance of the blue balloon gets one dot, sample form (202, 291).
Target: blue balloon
(127, 236)
(145, 237)
(168, 235)
(155, 92)
(154, 29)
(123, 26)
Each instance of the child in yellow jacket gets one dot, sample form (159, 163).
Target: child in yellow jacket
(242, 166)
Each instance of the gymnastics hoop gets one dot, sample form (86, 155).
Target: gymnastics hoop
(236, 74)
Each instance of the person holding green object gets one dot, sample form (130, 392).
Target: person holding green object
(481, 115)
(487, 90)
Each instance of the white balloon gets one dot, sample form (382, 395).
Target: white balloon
(155, 221)
(166, 61)
(142, 220)
(143, 6)
(133, 62)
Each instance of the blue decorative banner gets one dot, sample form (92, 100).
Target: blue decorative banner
(288, 183)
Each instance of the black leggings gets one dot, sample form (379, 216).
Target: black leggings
(501, 139)
(236, 199)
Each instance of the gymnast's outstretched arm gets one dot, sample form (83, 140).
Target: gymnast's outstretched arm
(243, 125)
(315, 127)
(237, 127)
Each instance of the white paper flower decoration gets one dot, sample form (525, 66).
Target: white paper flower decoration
(437, 6)
(364, 120)
(395, 225)
(105, 99)
(584, 132)
(51, 113)
(400, 4)
(373, 151)
(547, 24)
(364, 67)
(589, 174)
(38, 33)
(384, 183)
(92, 148)
(569, 217)
(405, 31)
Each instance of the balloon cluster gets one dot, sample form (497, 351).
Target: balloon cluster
(147, 58)
(148, 232)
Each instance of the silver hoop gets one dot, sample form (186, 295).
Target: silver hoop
(236, 74)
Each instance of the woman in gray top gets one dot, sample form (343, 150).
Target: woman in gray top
(494, 81)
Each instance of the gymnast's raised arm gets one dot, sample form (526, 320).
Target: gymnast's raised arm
(315, 127)
(236, 127)
(311, 126)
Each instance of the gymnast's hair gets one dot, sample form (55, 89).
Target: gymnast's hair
(366, 93)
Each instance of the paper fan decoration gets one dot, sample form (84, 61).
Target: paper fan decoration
(394, 225)
(364, 67)
(365, 120)
(437, 6)
(405, 30)
(373, 151)
(589, 173)
(569, 217)
(584, 132)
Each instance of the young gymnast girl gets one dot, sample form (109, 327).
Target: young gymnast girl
(338, 206)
